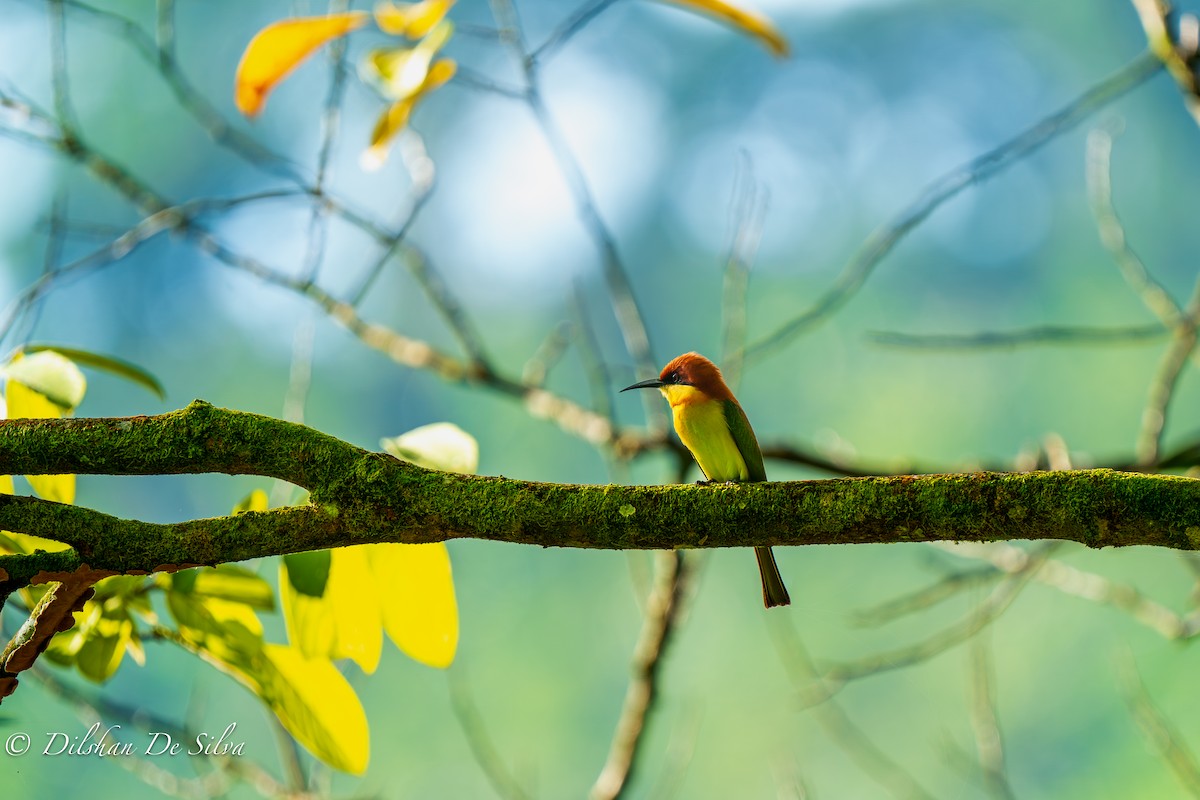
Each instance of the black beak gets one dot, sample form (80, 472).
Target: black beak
(653, 383)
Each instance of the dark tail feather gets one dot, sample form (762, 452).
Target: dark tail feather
(774, 592)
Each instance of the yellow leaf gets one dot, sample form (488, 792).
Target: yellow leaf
(24, 402)
(23, 543)
(389, 124)
(750, 22)
(50, 374)
(310, 696)
(441, 445)
(420, 613)
(396, 117)
(278, 48)
(257, 500)
(402, 72)
(413, 20)
(344, 622)
(317, 705)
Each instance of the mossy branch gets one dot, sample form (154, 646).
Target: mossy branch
(360, 497)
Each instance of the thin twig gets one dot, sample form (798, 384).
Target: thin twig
(402, 349)
(90, 710)
(575, 23)
(1157, 728)
(748, 210)
(55, 239)
(837, 724)
(160, 55)
(1077, 335)
(881, 242)
(662, 612)
(625, 306)
(926, 598)
(681, 749)
(1112, 232)
(1079, 583)
(989, 739)
(330, 116)
(548, 354)
(1164, 383)
(60, 80)
(483, 748)
(600, 381)
(835, 678)
(296, 398)
(164, 27)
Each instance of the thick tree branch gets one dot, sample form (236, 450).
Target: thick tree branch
(360, 497)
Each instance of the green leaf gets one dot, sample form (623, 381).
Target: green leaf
(110, 364)
(50, 374)
(182, 581)
(235, 584)
(442, 445)
(125, 587)
(308, 572)
(103, 648)
(228, 630)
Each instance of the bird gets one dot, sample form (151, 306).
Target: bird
(713, 427)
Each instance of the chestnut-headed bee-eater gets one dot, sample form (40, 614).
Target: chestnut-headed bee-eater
(712, 425)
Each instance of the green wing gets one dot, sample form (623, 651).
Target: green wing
(743, 437)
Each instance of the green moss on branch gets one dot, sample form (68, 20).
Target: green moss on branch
(361, 497)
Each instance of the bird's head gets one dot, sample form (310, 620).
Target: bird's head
(689, 378)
